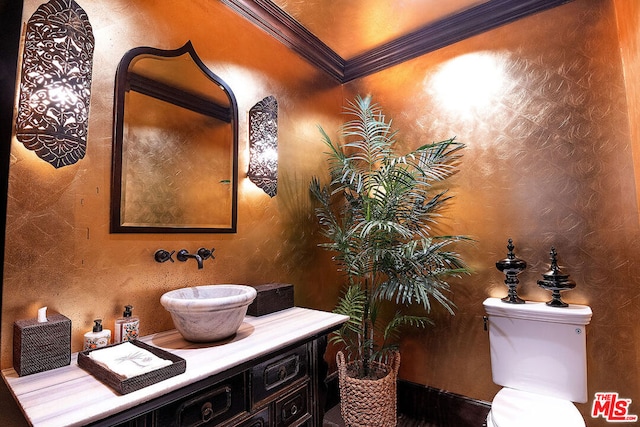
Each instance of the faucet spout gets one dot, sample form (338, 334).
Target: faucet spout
(184, 255)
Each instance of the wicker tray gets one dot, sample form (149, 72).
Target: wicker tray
(126, 385)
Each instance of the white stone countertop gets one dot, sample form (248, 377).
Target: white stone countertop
(70, 396)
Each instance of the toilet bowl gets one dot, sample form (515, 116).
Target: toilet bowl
(512, 408)
(538, 356)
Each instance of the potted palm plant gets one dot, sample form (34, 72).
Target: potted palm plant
(378, 214)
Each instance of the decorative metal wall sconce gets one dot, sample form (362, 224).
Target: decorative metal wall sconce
(263, 145)
(55, 86)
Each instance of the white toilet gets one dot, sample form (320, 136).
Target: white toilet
(538, 356)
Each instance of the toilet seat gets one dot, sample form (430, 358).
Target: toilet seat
(516, 408)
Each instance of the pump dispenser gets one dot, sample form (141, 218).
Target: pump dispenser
(127, 326)
(97, 338)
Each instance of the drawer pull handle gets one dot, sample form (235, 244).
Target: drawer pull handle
(292, 411)
(207, 412)
(282, 373)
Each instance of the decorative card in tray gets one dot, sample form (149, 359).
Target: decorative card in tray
(131, 365)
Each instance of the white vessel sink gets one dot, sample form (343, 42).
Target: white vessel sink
(208, 313)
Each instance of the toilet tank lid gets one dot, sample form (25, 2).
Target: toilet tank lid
(574, 314)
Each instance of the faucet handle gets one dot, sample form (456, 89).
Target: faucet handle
(206, 253)
(163, 256)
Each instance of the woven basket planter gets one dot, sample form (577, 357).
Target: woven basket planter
(368, 402)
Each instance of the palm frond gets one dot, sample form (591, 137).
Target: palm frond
(399, 320)
(351, 334)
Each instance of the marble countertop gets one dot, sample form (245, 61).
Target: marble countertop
(71, 396)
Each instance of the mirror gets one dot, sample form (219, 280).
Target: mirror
(175, 147)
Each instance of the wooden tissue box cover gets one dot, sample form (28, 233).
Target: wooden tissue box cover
(271, 298)
(39, 347)
(126, 385)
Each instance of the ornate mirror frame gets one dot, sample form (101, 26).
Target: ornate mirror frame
(129, 81)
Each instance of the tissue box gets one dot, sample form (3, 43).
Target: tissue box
(271, 298)
(39, 347)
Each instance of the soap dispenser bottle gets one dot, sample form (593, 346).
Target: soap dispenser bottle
(97, 338)
(127, 326)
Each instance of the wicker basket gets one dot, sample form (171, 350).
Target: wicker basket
(365, 402)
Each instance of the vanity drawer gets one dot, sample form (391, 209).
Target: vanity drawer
(208, 407)
(277, 373)
(261, 419)
(293, 409)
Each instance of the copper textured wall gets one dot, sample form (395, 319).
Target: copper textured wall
(59, 251)
(541, 105)
(628, 19)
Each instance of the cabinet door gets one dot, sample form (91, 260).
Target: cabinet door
(208, 407)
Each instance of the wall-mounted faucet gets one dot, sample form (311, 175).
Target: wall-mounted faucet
(183, 255)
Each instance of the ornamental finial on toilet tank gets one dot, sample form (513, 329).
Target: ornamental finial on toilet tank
(511, 266)
(556, 281)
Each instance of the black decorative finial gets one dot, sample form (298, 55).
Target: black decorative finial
(554, 259)
(556, 281)
(510, 247)
(511, 267)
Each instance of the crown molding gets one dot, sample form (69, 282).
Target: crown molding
(452, 29)
(266, 15)
(445, 32)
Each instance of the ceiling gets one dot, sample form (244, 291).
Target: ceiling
(349, 39)
(352, 27)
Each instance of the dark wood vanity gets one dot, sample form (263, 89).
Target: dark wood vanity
(270, 374)
(281, 390)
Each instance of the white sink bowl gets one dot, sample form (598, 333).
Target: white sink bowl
(208, 313)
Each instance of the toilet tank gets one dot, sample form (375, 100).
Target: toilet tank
(539, 349)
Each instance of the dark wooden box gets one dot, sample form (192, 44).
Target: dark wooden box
(39, 347)
(271, 297)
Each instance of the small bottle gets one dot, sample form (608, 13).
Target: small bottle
(127, 326)
(98, 337)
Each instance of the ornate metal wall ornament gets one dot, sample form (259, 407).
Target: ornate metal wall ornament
(55, 87)
(263, 145)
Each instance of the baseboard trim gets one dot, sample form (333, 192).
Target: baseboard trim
(440, 407)
(428, 404)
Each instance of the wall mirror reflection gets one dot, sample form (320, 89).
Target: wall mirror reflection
(175, 148)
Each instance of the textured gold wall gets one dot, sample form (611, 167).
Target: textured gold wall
(541, 105)
(59, 251)
(628, 19)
